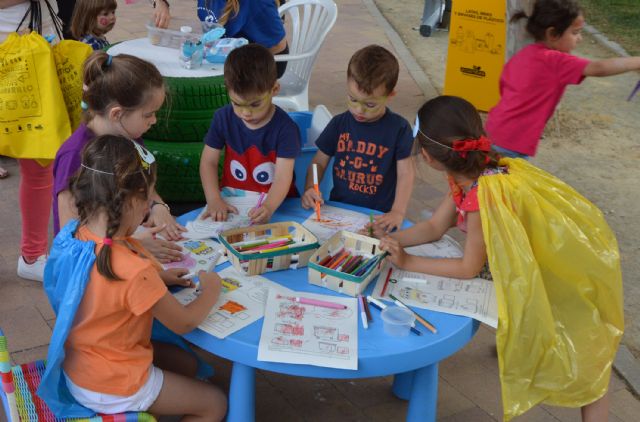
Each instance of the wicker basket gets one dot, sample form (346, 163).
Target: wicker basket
(254, 263)
(338, 281)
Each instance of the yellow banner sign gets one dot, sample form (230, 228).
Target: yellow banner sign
(477, 39)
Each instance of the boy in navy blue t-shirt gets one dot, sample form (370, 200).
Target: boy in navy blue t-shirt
(261, 140)
(372, 145)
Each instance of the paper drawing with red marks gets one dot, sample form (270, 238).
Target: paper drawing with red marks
(299, 333)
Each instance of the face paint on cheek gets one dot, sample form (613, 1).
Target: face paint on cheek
(103, 21)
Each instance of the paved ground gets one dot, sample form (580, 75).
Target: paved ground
(469, 386)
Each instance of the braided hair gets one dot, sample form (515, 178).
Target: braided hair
(110, 177)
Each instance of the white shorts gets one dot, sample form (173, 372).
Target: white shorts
(139, 401)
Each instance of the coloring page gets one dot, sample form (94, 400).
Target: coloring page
(332, 220)
(475, 298)
(443, 248)
(198, 255)
(244, 201)
(299, 333)
(241, 302)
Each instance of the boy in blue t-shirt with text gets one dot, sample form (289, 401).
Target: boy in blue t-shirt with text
(372, 145)
(261, 141)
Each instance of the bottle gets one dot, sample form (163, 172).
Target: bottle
(191, 50)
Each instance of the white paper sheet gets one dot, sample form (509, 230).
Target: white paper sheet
(333, 220)
(244, 201)
(197, 255)
(241, 302)
(475, 298)
(306, 334)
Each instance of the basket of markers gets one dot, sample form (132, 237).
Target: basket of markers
(346, 263)
(259, 249)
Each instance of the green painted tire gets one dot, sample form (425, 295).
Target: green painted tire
(179, 170)
(186, 115)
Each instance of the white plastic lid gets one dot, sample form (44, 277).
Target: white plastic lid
(186, 29)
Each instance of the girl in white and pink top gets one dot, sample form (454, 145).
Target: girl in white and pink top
(533, 81)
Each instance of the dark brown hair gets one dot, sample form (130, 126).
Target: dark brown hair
(111, 176)
(373, 66)
(556, 14)
(122, 80)
(85, 16)
(446, 119)
(250, 69)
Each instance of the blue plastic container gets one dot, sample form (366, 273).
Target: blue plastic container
(303, 120)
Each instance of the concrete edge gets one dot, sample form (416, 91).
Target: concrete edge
(415, 70)
(625, 364)
(606, 42)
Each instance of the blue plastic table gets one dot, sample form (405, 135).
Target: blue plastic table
(412, 359)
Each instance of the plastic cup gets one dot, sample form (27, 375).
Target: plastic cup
(397, 321)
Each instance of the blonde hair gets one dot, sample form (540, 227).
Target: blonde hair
(232, 7)
(85, 14)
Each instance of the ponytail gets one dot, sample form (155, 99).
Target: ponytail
(123, 80)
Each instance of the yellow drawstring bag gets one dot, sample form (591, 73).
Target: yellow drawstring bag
(69, 57)
(556, 267)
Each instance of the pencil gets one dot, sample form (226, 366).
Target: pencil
(418, 317)
(367, 311)
(317, 189)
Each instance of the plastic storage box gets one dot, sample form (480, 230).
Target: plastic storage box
(254, 263)
(339, 281)
(165, 37)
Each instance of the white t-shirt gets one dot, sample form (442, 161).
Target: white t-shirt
(11, 16)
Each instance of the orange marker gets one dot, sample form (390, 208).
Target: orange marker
(317, 189)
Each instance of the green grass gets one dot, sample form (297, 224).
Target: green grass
(619, 20)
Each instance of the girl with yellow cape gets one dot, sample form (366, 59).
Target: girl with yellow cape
(552, 256)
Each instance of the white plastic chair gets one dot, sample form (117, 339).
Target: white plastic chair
(310, 21)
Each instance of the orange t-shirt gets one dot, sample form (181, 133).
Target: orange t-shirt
(109, 347)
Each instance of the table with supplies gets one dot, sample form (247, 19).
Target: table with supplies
(412, 359)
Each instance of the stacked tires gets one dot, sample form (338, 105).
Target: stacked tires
(176, 138)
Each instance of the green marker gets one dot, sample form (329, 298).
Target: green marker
(371, 224)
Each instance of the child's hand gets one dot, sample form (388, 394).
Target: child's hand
(175, 277)
(159, 216)
(390, 221)
(163, 250)
(218, 211)
(210, 283)
(397, 255)
(310, 197)
(260, 215)
(373, 230)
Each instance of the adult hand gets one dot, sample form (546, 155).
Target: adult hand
(390, 221)
(159, 216)
(260, 215)
(175, 277)
(161, 15)
(164, 251)
(218, 211)
(310, 197)
(397, 255)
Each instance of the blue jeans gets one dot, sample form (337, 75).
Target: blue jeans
(509, 153)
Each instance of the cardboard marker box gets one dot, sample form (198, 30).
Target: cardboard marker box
(339, 281)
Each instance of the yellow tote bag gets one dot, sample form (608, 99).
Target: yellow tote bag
(33, 116)
(556, 266)
(69, 56)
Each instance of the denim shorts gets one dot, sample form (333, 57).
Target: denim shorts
(509, 153)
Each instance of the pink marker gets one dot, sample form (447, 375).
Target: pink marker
(321, 303)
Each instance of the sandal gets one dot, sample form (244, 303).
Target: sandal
(3, 173)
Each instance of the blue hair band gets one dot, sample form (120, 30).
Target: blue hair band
(109, 60)
(84, 105)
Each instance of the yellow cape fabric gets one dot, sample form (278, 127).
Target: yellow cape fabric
(556, 267)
